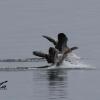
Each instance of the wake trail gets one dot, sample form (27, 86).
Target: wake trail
(72, 62)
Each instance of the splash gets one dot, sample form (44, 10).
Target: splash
(73, 62)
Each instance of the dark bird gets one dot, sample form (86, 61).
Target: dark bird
(61, 49)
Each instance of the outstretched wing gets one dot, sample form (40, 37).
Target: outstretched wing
(39, 54)
(50, 39)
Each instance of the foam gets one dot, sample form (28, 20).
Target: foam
(73, 62)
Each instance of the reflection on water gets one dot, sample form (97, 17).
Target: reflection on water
(50, 84)
(57, 84)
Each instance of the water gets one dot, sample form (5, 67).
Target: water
(23, 22)
(52, 84)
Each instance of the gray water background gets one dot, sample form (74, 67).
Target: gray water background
(22, 22)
